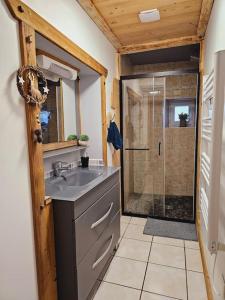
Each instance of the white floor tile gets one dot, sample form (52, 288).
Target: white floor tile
(136, 232)
(150, 296)
(138, 221)
(196, 286)
(193, 260)
(167, 255)
(134, 249)
(123, 227)
(125, 219)
(108, 291)
(168, 241)
(192, 245)
(126, 272)
(166, 281)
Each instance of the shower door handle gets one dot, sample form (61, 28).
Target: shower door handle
(138, 149)
(159, 148)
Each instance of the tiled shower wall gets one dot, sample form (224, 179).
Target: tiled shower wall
(179, 161)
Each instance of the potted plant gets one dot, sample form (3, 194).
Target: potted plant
(83, 140)
(183, 119)
(72, 137)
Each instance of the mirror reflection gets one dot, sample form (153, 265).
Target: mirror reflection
(58, 113)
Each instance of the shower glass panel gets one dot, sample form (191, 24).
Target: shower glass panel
(159, 129)
(143, 154)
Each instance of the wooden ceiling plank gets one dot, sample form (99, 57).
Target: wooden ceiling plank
(183, 21)
(97, 18)
(178, 18)
(123, 8)
(129, 19)
(204, 17)
(175, 42)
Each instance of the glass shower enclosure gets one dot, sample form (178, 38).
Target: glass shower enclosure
(159, 136)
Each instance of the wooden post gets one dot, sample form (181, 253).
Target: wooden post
(104, 120)
(115, 104)
(42, 217)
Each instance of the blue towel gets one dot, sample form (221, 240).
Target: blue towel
(44, 117)
(114, 136)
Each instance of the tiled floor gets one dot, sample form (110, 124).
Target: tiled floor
(152, 268)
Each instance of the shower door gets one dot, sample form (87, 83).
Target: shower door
(159, 147)
(143, 153)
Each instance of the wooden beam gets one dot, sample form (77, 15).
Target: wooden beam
(204, 17)
(98, 19)
(175, 42)
(104, 120)
(42, 218)
(23, 13)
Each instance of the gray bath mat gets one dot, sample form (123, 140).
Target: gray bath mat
(176, 230)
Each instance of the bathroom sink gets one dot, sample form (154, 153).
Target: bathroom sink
(76, 182)
(80, 178)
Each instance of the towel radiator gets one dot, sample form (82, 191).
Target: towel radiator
(212, 128)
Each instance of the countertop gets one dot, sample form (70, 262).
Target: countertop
(72, 193)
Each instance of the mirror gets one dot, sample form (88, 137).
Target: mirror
(58, 114)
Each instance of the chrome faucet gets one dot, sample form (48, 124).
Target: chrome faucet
(58, 167)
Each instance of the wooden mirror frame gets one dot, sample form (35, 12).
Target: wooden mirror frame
(63, 143)
(29, 23)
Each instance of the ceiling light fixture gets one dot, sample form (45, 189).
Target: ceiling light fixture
(151, 15)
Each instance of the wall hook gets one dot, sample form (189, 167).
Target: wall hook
(38, 138)
(20, 8)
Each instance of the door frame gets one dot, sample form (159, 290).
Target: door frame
(164, 74)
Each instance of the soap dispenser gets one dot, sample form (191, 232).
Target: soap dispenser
(84, 160)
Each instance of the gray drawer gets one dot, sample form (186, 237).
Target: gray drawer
(90, 225)
(85, 201)
(91, 267)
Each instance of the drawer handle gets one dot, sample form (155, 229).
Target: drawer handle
(102, 218)
(104, 254)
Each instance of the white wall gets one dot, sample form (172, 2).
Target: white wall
(17, 261)
(90, 108)
(215, 34)
(215, 41)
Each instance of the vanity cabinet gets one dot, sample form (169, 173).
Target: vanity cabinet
(87, 231)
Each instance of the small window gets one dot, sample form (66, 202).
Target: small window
(180, 109)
